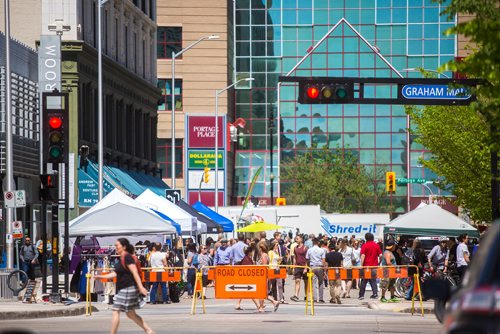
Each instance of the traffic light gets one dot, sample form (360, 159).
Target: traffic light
(55, 127)
(390, 182)
(206, 174)
(324, 92)
(49, 187)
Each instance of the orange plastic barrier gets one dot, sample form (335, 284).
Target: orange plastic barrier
(164, 276)
(368, 272)
(277, 273)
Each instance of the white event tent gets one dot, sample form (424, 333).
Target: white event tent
(189, 224)
(119, 215)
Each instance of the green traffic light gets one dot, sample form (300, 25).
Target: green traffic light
(341, 92)
(55, 152)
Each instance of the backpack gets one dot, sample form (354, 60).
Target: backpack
(196, 261)
(137, 264)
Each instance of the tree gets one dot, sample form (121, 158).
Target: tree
(458, 139)
(483, 30)
(333, 179)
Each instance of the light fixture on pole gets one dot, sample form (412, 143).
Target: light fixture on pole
(217, 93)
(100, 123)
(423, 70)
(172, 93)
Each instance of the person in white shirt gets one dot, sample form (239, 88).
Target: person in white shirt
(158, 262)
(463, 256)
(316, 259)
(348, 261)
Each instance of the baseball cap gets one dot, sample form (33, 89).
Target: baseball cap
(441, 239)
(389, 244)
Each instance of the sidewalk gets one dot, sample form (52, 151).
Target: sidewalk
(18, 310)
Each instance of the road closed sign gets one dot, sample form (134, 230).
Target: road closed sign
(241, 282)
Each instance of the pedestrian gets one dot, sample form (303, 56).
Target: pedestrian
(247, 261)
(388, 259)
(158, 262)
(264, 260)
(130, 290)
(28, 255)
(191, 271)
(282, 252)
(348, 259)
(239, 249)
(223, 254)
(316, 258)
(419, 260)
(437, 256)
(356, 250)
(334, 260)
(299, 259)
(463, 257)
(274, 263)
(370, 257)
(308, 242)
(204, 260)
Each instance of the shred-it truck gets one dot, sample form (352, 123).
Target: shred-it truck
(308, 219)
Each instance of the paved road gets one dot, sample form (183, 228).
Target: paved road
(221, 317)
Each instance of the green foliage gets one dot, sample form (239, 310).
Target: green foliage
(458, 139)
(334, 180)
(483, 30)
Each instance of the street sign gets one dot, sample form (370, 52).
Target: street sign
(241, 282)
(403, 180)
(173, 195)
(10, 199)
(20, 198)
(17, 230)
(435, 92)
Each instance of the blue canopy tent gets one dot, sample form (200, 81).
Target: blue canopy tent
(212, 226)
(226, 224)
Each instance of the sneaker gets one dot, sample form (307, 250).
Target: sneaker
(332, 301)
(338, 301)
(321, 301)
(361, 298)
(383, 300)
(394, 300)
(373, 297)
(294, 298)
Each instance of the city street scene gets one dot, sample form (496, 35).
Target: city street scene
(249, 166)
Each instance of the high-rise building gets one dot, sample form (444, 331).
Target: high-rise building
(332, 38)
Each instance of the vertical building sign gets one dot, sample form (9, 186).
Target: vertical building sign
(200, 154)
(49, 63)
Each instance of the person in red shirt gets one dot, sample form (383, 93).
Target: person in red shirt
(370, 256)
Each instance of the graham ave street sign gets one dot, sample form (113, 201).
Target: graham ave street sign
(435, 92)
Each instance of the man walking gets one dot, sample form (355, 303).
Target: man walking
(316, 257)
(334, 259)
(239, 249)
(224, 254)
(370, 257)
(463, 256)
(28, 255)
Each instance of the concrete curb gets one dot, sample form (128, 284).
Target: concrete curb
(376, 306)
(32, 314)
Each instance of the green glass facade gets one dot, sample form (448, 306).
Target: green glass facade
(344, 38)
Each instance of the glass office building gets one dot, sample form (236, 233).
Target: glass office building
(331, 38)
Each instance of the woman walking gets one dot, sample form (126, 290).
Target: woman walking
(264, 260)
(128, 286)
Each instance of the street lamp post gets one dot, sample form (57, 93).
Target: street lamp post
(217, 93)
(172, 93)
(100, 123)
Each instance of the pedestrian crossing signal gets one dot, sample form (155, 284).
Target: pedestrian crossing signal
(390, 182)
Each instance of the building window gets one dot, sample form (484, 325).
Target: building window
(166, 94)
(163, 155)
(169, 39)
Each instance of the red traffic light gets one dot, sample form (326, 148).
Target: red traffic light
(55, 122)
(312, 92)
